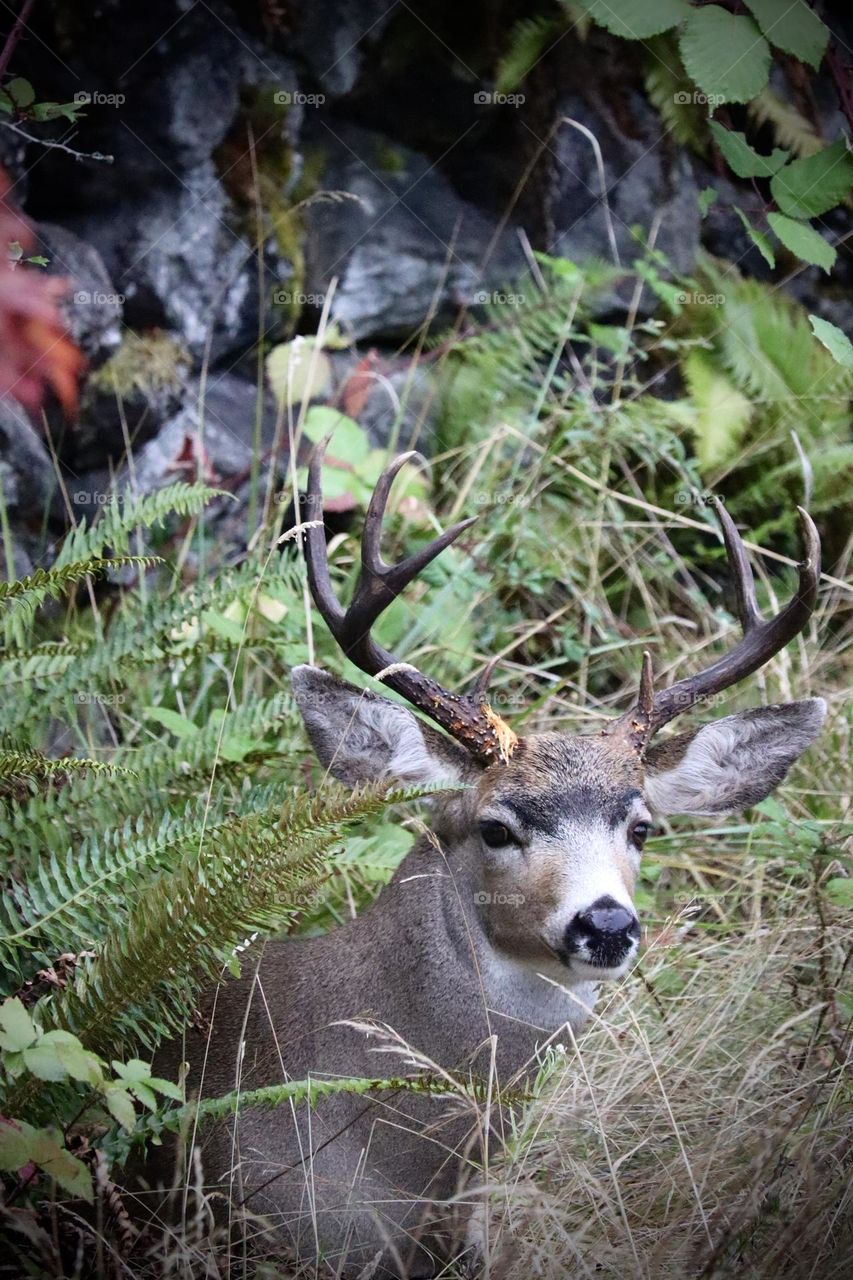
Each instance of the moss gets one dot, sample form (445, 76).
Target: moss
(145, 362)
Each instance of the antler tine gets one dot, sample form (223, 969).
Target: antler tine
(762, 638)
(747, 605)
(316, 557)
(474, 725)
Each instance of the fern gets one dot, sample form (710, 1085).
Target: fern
(671, 93)
(26, 595)
(528, 41)
(791, 130)
(126, 514)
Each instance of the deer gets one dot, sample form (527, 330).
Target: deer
(494, 935)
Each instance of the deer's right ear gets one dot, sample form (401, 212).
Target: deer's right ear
(360, 737)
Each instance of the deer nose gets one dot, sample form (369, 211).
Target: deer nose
(603, 934)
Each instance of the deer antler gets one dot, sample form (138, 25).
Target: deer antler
(761, 639)
(468, 719)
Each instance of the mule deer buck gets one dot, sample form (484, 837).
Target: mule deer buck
(496, 929)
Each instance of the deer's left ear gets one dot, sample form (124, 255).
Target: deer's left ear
(731, 763)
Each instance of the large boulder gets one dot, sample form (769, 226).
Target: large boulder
(401, 242)
(645, 181)
(92, 306)
(180, 265)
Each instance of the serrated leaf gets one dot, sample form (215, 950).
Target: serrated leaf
(758, 238)
(791, 25)
(740, 156)
(834, 339)
(725, 55)
(119, 1103)
(815, 184)
(44, 1062)
(16, 1142)
(636, 19)
(802, 240)
(18, 1031)
(71, 1174)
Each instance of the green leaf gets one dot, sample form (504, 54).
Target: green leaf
(803, 240)
(636, 19)
(77, 1061)
(120, 1106)
(840, 890)
(834, 339)
(18, 1031)
(169, 719)
(71, 1174)
(741, 158)
(707, 196)
(16, 1143)
(725, 54)
(44, 1062)
(298, 371)
(349, 441)
(758, 238)
(815, 184)
(791, 25)
(21, 92)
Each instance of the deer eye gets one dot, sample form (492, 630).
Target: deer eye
(495, 834)
(639, 833)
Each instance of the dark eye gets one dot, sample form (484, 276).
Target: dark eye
(640, 833)
(495, 834)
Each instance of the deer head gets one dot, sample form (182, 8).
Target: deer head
(549, 827)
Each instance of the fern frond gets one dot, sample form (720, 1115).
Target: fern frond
(672, 93)
(186, 924)
(26, 762)
(25, 595)
(528, 40)
(791, 130)
(127, 512)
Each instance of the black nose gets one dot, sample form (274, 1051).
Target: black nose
(603, 934)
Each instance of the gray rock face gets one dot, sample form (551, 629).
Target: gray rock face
(644, 181)
(330, 37)
(403, 244)
(26, 471)
(180, 266)
(93, 305)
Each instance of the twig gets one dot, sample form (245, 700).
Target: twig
(14, 36)
(57, 146)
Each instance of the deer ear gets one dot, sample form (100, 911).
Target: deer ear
(731, 763)
(360, 737)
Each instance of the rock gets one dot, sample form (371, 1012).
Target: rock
(402, 243)
(389, 396)
(129, 399)
(93, 305)
(210, 438)
(723, 233)
(331, 37)
(180, 266)
(644, 179)
(27, 474)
